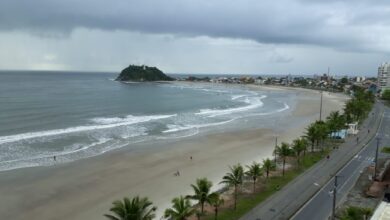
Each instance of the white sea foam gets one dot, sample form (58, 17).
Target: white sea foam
(234, 97)
(176, 128)
(46, 159)
(285, 107)
(102, 123)
(254, 102)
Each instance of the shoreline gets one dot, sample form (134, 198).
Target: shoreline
(86, 188)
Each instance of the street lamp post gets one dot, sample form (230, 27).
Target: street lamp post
(321, 107)
(376, 157)
(334, 198)
(276, 145)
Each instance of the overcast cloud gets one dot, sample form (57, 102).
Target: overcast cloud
(246, 36)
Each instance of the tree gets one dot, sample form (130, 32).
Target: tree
(299, 146)
(216, 201)
(356, 213)
(311, 135)
(134, 209)
(305, 144)
(359, 106)
(283, 151)
(181, 209)
(234, 178)
(268, 165)
(322, 131)
(344, 80)
(386, 95)
(254, 171)
(201, 192)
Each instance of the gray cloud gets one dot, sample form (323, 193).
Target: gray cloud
(336, 24)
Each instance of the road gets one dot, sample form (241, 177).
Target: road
(320, 206)
(292, 197)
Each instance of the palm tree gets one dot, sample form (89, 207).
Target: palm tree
(298, 147)
(134, 209)
(234, 178)
(335, 121)
(283, 151)
(322, 131)
(181, 209)
(216, 201)
(268, 165)
(311, 135)
(254, 172)
(201, 191)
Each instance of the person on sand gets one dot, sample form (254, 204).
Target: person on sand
(190, 157)
(55, 158)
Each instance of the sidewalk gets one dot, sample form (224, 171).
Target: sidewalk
(290, 198)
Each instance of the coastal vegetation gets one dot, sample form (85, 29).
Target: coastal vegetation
(356, 213)
(132, 209)
(386, 150)
(142, 74)
(202, 193)
(386, 95)
(181, 209)
(234, 178)
(257, 182)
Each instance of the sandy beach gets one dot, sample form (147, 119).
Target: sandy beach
(86, 188)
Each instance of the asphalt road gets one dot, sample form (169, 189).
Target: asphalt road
(320, 206)
(292, 197)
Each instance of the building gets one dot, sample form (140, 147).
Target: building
(384, 77)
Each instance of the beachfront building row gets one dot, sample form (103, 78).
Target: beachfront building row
(384, 76)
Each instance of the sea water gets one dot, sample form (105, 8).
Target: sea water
(73, 115)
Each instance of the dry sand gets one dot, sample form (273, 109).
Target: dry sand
(85, 189)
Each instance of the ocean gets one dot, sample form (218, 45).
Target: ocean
(73, 115)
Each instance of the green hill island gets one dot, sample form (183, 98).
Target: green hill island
(142, 74)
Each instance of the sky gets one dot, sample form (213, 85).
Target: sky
(196, 36)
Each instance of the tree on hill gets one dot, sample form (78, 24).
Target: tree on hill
(142, 73)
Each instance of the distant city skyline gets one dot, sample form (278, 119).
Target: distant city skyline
(186, 36)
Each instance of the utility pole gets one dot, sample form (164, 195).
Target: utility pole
(321, 107)
(276, 145)
(321, 98)
(376, 157)
(334, 198)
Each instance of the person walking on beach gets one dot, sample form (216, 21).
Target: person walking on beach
(191, 158)
(55, 158)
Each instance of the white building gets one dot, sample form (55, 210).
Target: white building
(360, 78)
(384, 76)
